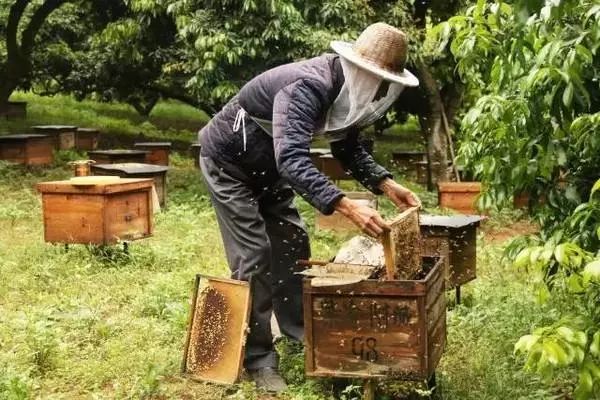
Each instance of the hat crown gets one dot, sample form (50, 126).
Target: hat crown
(383, 45)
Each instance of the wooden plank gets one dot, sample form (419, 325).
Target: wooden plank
(217, 331)
(123, 185)
(402, 246)
(127, 216)
(73, 218)
(376, 288)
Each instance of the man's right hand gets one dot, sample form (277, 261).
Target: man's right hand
(365, 217)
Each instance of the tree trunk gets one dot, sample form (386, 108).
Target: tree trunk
(18, 60)
(432, 127)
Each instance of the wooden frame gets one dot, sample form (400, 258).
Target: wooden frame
(238, 328)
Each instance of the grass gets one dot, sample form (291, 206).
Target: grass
(96, 323)
(169, 120)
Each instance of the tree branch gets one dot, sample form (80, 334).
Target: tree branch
(37, 20)
(14, 17)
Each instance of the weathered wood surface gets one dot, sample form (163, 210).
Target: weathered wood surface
(27, 149)
(402, 246)
(104, 213)
(64, 135)
(217, 330)
(374, 329)
(117, 156)
(332, 168)
(195, 153)
(454, 237)
(158, 152)
(459, 196)
(138, 170)
(87, 139)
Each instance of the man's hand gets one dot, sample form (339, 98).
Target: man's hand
(366, 218)
(398, 194)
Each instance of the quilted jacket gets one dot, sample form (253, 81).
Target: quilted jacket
(295, 97)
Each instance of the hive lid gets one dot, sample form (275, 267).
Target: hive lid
(88, 130)
(59, 128)
(116, 152)
(217, 330)
(153, 144)
(117, 185)
(450, 221)
(93, 180)
(131, 168)
(319, 151)
(22, 136)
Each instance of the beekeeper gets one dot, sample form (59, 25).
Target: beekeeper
(255, 155)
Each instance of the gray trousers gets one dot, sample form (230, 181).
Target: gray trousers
(263, 236)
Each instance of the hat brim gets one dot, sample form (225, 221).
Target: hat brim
(345, 50)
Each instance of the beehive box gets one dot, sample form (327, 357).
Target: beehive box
(315, 156)
(406, 161)
(136, 170)
(15, 110)
(64, 135)
(117, 156)
(377, 329)
(338, 222)
(27, 149)
(454, 238)
(103, 213)
(459, 196)
(158, 152)
(195, 153)
(87, 139)
(332, 168)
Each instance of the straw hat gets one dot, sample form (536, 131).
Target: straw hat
(380, 49)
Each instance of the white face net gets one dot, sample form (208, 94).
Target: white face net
(356, 104)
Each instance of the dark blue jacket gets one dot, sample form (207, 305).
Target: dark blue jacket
(295, 97)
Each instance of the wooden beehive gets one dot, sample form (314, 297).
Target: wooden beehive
(136, 170)
(105, 212)
(218, 323)
(332, 168)
(86, 139)
(459, 196)
(27, 149)
(406, 161)
(15, 110)
(377, 329)
(195, 153)
(402, 246)
(64, 135)
(158, 152)
(315, 156)
(338, 222)
(117, 156)
(453, 237)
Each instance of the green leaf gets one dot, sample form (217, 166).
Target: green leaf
(585, 385)
(522, 259)
(595, 345)
(592, 270)
(568, 95)
(595, 188)
(525, 343)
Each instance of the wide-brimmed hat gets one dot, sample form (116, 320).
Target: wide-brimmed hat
(382, 50)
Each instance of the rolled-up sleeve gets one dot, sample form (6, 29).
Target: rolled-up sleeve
(359, 162)
(296, 110)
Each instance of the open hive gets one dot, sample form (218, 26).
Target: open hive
(377, 328)
(217, 330)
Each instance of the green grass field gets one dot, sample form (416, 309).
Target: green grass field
(96, 323)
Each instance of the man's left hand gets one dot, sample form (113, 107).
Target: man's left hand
(398, 194)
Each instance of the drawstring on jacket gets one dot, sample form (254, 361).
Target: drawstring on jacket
(240, 119)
